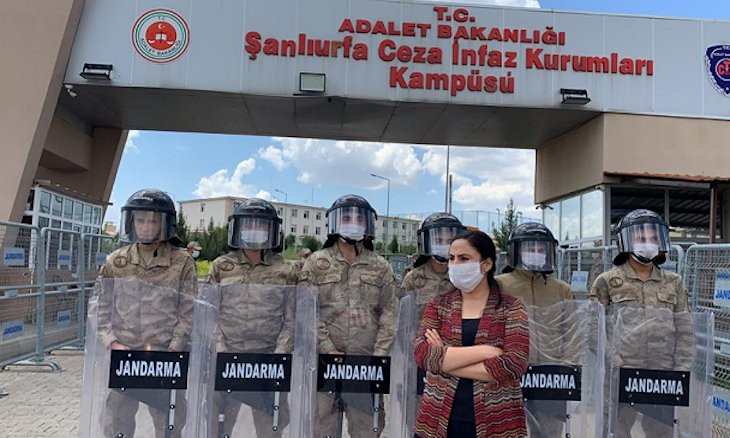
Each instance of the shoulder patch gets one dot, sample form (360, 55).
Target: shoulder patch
(323, 264)
(120, 261)
(616, 281)
(226, 266)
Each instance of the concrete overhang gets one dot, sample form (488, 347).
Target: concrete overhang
(330, 117)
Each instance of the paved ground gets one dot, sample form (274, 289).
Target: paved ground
(42, 403)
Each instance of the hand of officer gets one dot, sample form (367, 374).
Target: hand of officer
(118, 346)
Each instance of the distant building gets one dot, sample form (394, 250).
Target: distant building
(299, 220)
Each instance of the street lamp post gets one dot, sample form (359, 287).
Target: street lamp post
(286, 201)
(387, 209)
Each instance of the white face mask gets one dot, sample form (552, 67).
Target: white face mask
(196, 253)
(255, 236)
(533, 259)
(440, 250)
(466, 276)
(646, 250)
(352, 231)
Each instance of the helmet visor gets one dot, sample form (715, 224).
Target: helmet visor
(536, 255)
(253, 233)
(145, 226)
(436, 241)
(643, 237)
(351, 222)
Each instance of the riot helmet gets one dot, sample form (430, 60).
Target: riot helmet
(148, 216)
(352, 218)
(435, 235)
(254, 224)
(532, 247)
(644, 235)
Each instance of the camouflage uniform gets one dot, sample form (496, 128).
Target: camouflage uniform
(661, 341)
(427, 284)
(356, 308)
(258, 319)
(158, 317)
(548, 343)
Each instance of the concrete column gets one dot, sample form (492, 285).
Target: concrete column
(36, 36)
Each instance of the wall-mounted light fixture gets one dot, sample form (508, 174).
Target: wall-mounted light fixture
(574, 97)
(97, 72)
(312, 82)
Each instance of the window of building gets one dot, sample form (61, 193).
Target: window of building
(306, 215)
(45, 203)
(395, 225)
(278, 210)
(68, 208)
(305, 229)
(293, 212)
(87, 213)
(78, 211)
(202, 223)
(202, 207)
(317, 230)
(293, 229)
(570, 219)
(404, 226)
(385, 224)
(56, 205)
(591, 218)
(551, 219)
(318, 216)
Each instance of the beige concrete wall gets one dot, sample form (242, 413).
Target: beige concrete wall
(571, 162)
(36, 37)
(81, 163)
(666, 145)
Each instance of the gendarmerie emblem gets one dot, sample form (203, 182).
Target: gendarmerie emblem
(120, 262)
(323, 264)
(227, 266)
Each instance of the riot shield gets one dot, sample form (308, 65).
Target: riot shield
(407, 380)
(352, 380)
(248, 374)
(562, 387)
(660, 366)
(138, 350)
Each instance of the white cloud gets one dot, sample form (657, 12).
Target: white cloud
(348, 163)
(220, 184)
(130, 145)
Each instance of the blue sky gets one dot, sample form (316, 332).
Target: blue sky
(316, 172)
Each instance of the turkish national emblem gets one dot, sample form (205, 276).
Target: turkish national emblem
(160, 35)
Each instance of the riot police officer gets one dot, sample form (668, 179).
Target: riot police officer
(429, 275)
(255, 239)
(356, 303)
(148, 223)
(531, 251)
(637, 282)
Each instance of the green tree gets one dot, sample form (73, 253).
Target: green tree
(379, 246)
(393, 245)
(183, 232)
(290, 240)
(500, 233)
(311, 242)
(408, 249)
(214, 241)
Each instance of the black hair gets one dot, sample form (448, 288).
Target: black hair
(484, 245)
(421, 260)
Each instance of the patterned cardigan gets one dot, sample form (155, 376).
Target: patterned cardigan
(499, 411)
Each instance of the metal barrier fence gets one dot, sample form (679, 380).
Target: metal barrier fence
(45, 277)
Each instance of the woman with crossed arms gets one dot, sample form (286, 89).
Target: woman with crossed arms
(474, 345)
